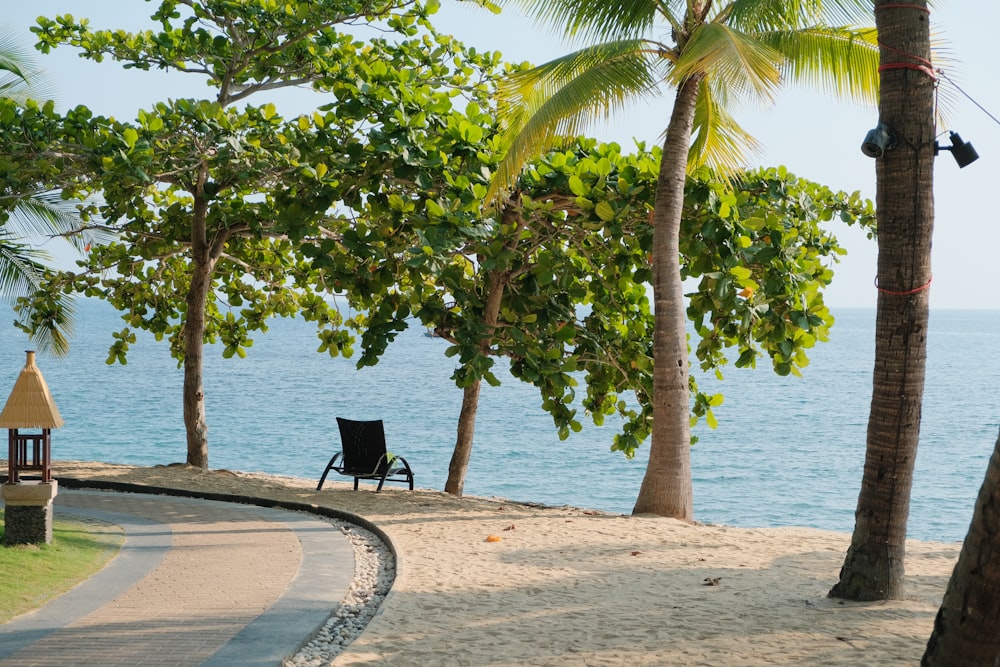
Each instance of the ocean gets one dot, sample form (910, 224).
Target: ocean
(787, 452)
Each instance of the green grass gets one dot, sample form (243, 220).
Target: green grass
(34, 574)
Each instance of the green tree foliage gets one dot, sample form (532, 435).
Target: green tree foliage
(716, 55)
(375, 202)
(211, 201)
(759, 248)
(557, 278)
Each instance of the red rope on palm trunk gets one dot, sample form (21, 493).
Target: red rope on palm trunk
(915, 290)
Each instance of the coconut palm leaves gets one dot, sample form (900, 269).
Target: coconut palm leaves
(19, 78)
(26, 215)
(544, 103)
(744, 52)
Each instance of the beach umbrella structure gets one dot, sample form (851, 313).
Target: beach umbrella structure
(28, 501)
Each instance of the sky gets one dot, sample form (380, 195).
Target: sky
(814, 136)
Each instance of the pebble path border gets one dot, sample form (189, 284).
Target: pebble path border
(374, 572)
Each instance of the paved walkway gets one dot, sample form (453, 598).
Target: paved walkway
(197, 582)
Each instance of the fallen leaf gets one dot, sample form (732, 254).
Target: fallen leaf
(510, 527)
(636, 553)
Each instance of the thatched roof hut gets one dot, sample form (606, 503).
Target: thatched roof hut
(30, 403)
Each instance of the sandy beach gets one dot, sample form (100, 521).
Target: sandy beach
(570, 586)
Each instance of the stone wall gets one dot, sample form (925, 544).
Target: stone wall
(27, 524)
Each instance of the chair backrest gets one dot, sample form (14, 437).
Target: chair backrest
(363, 444)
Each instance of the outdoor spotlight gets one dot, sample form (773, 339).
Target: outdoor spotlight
(878, 141)
(962, 151)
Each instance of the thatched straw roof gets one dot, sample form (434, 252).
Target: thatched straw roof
(30, 404)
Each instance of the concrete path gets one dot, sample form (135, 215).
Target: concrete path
(197, 582)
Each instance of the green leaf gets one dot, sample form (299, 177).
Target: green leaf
(434, 209)
(741, 273)
(604, 211)
(130, 136)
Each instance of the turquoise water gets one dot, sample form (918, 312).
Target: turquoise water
(788, 451)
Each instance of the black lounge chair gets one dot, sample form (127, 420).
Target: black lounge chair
(364, 455)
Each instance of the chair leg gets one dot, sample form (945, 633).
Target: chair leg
(355, 483)
(322, 479)
(329, 467)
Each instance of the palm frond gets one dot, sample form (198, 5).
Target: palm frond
(840, 61)
(750, 68)
(20, 78)
(21, 273)
(948, 90)
(12, 55)
(756, 16)
(752, 16)
(53, 335)
(844, 12)
(719, 141)
(48, 214)
(950, 94)
(21, 268)
(13, 87)
(563, 96)
(606, 20)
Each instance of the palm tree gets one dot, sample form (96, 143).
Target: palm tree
(967, 628)
(874, 566)
(712, 55)
(31, 214)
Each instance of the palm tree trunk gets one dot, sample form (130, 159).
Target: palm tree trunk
(666, 486)
(874, 566)
(967, 628)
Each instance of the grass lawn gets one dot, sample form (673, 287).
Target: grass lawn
(33, 575)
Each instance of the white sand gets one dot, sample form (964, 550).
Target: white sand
(568, 586)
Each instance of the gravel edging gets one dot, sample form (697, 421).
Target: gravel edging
(374, 572)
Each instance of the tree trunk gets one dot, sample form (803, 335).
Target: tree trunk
(203, 259)
(496, 284)
(874, 566)
(666, 486)
(463, 445)
(194, 352)
(967, 628)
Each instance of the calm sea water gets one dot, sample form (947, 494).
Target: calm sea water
(788, 451)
